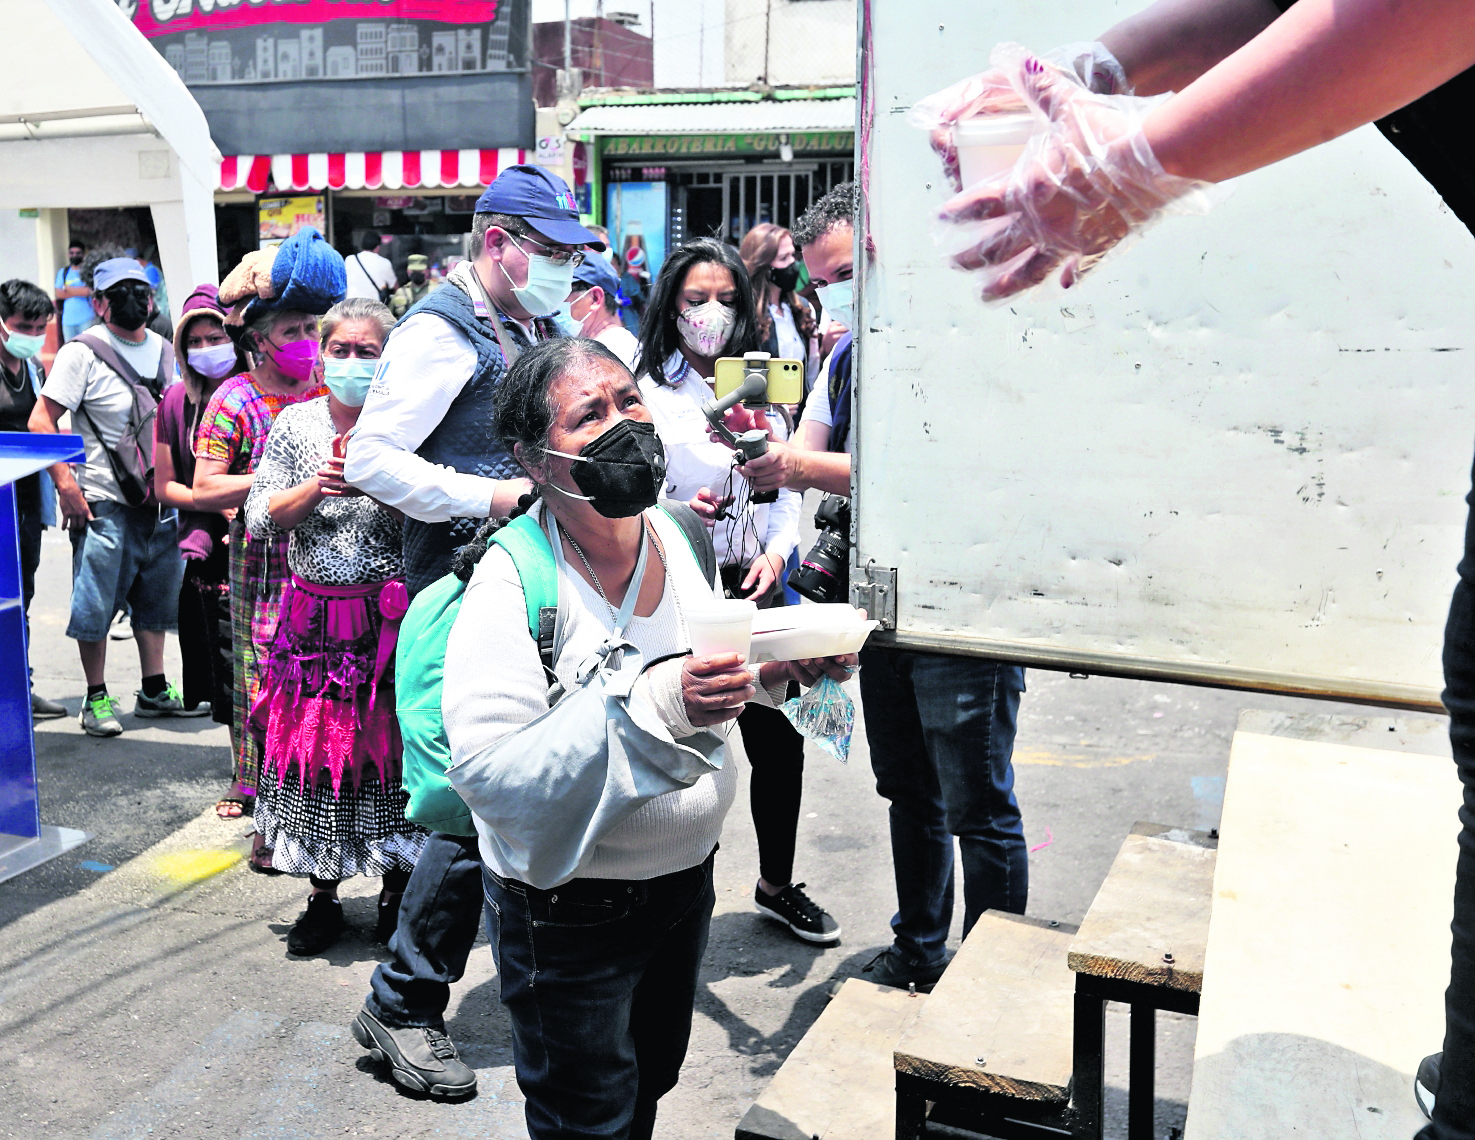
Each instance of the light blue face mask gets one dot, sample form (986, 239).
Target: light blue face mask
(839, 302)
(564, 319)
(548, 284)
(349, 379)
(22, 346)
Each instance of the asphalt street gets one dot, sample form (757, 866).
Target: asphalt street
(145, 988)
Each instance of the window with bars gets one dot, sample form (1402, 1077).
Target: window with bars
(727, 202)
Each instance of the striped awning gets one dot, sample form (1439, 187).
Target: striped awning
(367, 170)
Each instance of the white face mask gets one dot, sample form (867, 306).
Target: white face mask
(839, 302)
(706, 328)
(548, 284)
(214, 360)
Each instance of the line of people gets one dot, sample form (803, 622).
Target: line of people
(319, 465)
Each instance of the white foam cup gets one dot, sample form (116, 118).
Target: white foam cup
(989, 144)
(721, 627)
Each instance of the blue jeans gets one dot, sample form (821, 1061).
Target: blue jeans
(126, 556)
(600, 976)
(1454, 1107)
(438, 914)
(941, 732)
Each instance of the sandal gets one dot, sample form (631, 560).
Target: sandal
(235, 803)
(259, 860)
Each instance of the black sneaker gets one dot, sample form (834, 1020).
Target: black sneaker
(422, 1060)
(42, 709)
(1426, 1083)
(893, 968)
(796, 910)
(319, 927)
(168, 703)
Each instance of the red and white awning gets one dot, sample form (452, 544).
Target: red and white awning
(367, 170)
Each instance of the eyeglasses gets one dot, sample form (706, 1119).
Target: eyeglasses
(556, 254)
(127, 289)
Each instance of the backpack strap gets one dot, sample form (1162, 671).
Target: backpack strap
(525, 541)
(698, 537)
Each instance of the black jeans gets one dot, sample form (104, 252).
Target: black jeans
(28, 527)
(207, 664)
(600, 977)
(438, 918)
(1454, 1107)
(776, 753)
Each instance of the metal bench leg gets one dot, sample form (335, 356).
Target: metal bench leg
(911, 1115)
(1088, 1067)
(1141, 1095)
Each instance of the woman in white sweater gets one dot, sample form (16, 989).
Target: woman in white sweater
(599, 973)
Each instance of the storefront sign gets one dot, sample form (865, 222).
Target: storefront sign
(257, 41)
(280, 218)
(550, 150)
(715, 146)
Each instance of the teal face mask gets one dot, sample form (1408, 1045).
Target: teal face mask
(547, 285)
(349, 380)
(20, 345)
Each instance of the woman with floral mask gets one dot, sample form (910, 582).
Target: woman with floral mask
(206, 357)
(277, 294)
(701, 308)
(329, 803)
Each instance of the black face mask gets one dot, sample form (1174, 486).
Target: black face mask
(622, 472)
(128, 308)
(417, 277)
(75, 259)
(786, 278)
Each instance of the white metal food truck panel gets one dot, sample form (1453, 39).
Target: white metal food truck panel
(1235, 454)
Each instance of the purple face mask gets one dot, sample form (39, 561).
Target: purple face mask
(295, 359)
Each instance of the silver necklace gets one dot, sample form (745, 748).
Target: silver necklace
(661, 554)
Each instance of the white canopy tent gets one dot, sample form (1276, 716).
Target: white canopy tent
(92, 116)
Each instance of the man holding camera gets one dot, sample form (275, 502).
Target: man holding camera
(941, 729)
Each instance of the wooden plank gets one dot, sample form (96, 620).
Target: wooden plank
(999, 1021)
(1149, 922)
(1329, 940)
(838, 1083)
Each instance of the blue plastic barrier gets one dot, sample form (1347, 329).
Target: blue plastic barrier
(24, 840)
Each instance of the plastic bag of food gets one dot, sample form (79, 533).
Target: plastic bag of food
(826, 715)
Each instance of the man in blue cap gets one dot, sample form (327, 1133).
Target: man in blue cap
(124, 545)
(422, 445)
(593, 310)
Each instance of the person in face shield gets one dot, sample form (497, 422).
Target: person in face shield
(599, 972)
(110, 379)
(702, 308)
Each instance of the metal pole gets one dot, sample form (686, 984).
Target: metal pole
(767, 23)
(568, 48)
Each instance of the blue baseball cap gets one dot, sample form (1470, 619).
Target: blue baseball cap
(109, 273)
(544, 199)
(597, 271)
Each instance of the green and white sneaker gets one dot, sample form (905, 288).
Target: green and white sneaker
(168, 703)
(100, 716)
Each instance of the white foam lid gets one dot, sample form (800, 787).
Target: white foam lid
(994, 130)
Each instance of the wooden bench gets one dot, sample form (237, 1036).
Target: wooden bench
(991, 1051)
(838, 1082)
(1142, 943)
(1329, 941)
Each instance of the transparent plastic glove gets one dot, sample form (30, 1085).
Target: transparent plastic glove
(1086, 181)
(990, 93)
(826, 715)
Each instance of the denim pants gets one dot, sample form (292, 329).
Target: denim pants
(941, 732)
(438, 914)
(600, 976)
(1454, 1106)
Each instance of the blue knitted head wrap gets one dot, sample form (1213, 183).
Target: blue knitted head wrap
(307, 276)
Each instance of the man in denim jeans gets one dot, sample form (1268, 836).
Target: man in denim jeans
(119, 552)
(941, 729)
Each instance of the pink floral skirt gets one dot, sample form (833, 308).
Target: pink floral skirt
(326, 706)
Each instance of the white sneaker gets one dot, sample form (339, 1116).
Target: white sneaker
(122, 629)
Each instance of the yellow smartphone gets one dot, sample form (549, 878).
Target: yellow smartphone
(785, 379)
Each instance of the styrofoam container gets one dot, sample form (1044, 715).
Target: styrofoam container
(790, 633)
(989, 144)
(721, 627)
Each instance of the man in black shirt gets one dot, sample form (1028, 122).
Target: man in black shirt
(25, 311)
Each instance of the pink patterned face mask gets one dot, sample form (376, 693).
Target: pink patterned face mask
(706, 328)
(295, 359)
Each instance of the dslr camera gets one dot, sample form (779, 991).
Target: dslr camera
(824, 574)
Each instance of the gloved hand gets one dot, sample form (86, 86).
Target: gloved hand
(990, 93)
(1085, 182)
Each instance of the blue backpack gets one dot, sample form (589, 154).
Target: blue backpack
(420, 658)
